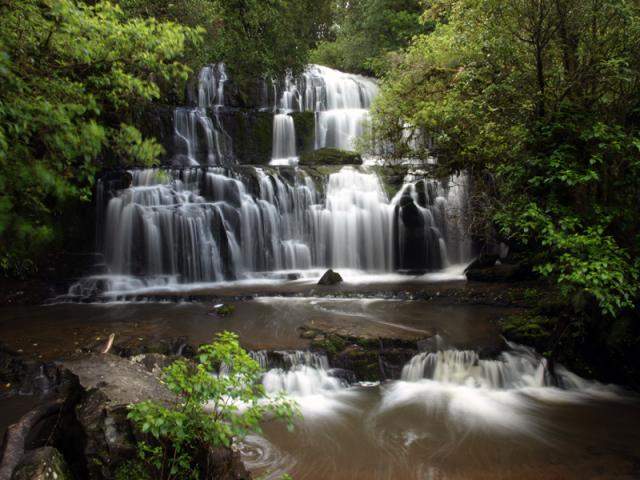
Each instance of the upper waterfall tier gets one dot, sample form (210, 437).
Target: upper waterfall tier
(282, 119)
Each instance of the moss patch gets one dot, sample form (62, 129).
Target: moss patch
(330, 156)
(305, 125)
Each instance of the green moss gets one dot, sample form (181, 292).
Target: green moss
(305, 125)
(330, 156)
(225, 310)
(529, 329)
(332, 344)
(391, 176)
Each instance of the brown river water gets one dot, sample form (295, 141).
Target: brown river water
(467, 419)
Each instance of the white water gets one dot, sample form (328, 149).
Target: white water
(284, 140)
(194, 226)
(459, 386)
(202, 225)
(353, 229)
(340, 101)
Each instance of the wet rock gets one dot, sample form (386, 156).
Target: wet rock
(225, 464)
(25, 376)
(366, 358)
(154, 362)
(110, 439)
(140, 346)
(346, 375)
(112, 383)
(223, 310)
(293, 276)
(44, 463)
(305, 123)
(330, 156)
(54, 424)
(500, 273)
(484, 260)
(330, 278)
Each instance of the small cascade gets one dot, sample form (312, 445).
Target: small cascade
(482, 394)
(519, 367)
(302, 373)
(342, 103)
(284, 140)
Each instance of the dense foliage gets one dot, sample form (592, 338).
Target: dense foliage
(252, 37)
(367, 34)
(211, 410)
(71, 76)
(540, 101)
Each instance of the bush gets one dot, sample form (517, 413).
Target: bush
(219, 400)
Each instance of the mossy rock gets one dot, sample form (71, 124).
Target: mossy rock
(529, 329)
(330, 156)
(331, 344)
(305, 125)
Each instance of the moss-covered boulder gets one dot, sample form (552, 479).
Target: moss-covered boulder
(330, 156)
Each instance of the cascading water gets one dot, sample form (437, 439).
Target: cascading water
(284, 140)
(341, 103)
(199, 136)
(207, 225)
(353, 229)
(302, 375)
(213, 220)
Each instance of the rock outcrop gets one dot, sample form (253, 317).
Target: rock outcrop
(81, 429)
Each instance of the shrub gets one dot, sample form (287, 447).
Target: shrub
(218, 401)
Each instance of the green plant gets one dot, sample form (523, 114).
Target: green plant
(218, 401)
(225, 310)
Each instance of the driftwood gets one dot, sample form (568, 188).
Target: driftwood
(108, 344)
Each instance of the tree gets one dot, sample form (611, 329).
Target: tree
(252, 37)
(368, 32)
(218, 402)
(72, 74)
(539, 101)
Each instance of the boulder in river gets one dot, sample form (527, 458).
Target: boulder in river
(330, 278)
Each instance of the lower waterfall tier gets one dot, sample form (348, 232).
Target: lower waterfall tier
(213, 224)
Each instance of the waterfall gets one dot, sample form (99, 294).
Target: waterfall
(212, 224)
(342, 105)
(199, 134)
(284, 140)
(208, 219)
(516, 368)
(353, 228)
(301, 374)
